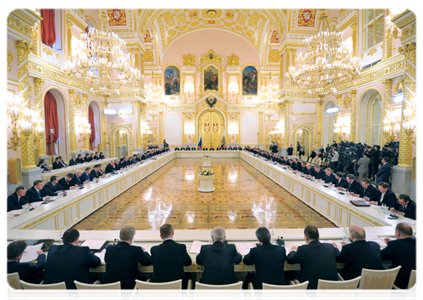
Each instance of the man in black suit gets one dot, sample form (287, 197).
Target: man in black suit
(28, 272)
(69, 262)
(290, 150)
(330, 177)
(95, 174)
(73, 161)
(269, 261)
(16, 199)
(80, 159)
(211, 148)
(340, 181)
(169, 258)
(123, 258)
(359, 254)
(369, 191)
(204, 149)
(384, 172)
(36, 193)
(320, 174)
(57, 165)
(66, 182)
(354, 187)
(384, 196)
(110, 168)
(52, 187)
(318, 260)
(78, 180)
(87, 158)
(62, 163)
(42, 164)
(402, 252)
(405, 207)
(218, 259)
(87, 175)
(310, 170)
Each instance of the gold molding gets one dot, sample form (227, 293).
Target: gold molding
(10, 59)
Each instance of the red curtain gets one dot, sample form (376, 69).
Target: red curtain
(91, 121)
(48, 31)
(51, 120)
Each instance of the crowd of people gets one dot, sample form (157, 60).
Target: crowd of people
(317, 259)
(41, 192)
(221, 148)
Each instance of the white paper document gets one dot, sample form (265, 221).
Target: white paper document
(72, 191)
(30, 253)
(15, 212)
(374, 238)
(196, 246)
(100, 255)
(93, 244)
(244, 248)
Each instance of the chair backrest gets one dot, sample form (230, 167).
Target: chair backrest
(110, 291)
(334, 290)
(13, 289)
(218, 292)
(56, 291)
(286, 292)
(378, 279)
(413, 289)
(153, 290)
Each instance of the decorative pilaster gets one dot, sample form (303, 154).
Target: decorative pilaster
(140, 113)
(406, 134)
(142, 70)
(39, 108)
(36, 39)
(386, 103)
(354, 38)
(287, 65)
(319, 121)
(137, 63)
(261, 135)
(69, 39)
(72, 133)
(161, 129)
(286, 125)
(387, 43)
(353, 115)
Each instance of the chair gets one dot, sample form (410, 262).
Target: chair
(286, 292)
(161, 290)
(56, 291)
(218, 292)
(13, 289)
(378, 279)
(334, 290)
(110, 291)
(413, 289)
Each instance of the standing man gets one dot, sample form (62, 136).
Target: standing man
(385, 172)
(363, 166)
(334, 160)
(290, 150)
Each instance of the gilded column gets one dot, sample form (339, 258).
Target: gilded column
(319, 121)
(72, 133)
(281, 73)
(39, 108)
(161, 128)
(36, 39)
(139, 110)
(354, 38)
(137, 63)
(124, 139)
(69, 39)
(386, 103)
(387, 43)
(142, 71)
(406, 135)
(286, 125)
(238, 136)
(87, 136)
(261, 135)
(353, 117)
(287, 65)
(104, 123)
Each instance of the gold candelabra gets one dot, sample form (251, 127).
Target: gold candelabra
(342, 127)
(392, 126)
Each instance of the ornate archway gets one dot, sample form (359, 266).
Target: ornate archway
(113, 127)
(310, 128)
(211, 128)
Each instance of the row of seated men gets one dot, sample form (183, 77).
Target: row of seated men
(381, 195)
(222, 148)
(76, 160)
(318, 260)
(41, 192)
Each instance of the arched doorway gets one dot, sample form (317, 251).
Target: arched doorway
(121, 144)
(120, 133)
(211, 128)
(329, 121)
(304, 133)
(55, 119)
(370, 121)
(94, 118)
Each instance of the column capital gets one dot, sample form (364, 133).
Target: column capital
(69, 24)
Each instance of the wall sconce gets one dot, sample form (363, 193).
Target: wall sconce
(189, 129)
(233, 130)
(233, 88)
(189, 88)
(392, 125)
(342, 127)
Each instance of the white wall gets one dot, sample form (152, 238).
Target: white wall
(173, 129)
(249, 129)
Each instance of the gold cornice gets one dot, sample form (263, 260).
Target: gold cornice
(348, 22)
(76, 21)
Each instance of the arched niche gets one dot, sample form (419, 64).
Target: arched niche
(249, 129)
(61, 146)
(304, 133)
(371, 117)
(97, 123)
(173, 129)
(120, 127)
(329, 121)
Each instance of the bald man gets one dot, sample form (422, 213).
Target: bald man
(359, 254)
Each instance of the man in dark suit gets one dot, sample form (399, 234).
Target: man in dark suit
(320, 174)
(385, 172)
(69, 262)
(80, 159)
(340, 181)
(204, 149)
(57, 165)
(73, 161)
(42, 164)
(384, 196)
(402, 252)
(369, 191)
(95, 174)
(16, 199)
(87, 157)
(36, 193)
(211, 148)
(52, 188)
(169, 258)
(290, 150)
(78, 179)
(405, 207)
(123, 258)
(354, 187)
(359, 254)
(218, 259)
(330, 177)
(62, 163)
(28, 272)
(66, 182)
(269, 261)
(310, 170)
(318, 260)
(87, 175)
(110, 168)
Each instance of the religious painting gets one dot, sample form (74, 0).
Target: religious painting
(249, 81)
(306, 17)
(172, 81)
(211, 79)
(117, 17)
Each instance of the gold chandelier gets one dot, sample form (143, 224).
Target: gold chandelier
(327, 62)
(155, 99)
(99, 60)
(268, 97)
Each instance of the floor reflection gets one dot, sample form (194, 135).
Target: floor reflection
(243, 199)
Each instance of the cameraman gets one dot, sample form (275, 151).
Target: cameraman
(334, 160)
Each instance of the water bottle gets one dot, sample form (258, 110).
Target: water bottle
(345, 235)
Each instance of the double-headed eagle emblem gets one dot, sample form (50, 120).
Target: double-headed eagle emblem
(211, 101)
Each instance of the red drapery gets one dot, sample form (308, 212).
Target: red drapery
(51, 120)
(91, 121)
(48, 31)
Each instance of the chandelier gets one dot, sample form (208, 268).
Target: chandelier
(327, 62)
(99, 60)
(155, 99)
(268, 98)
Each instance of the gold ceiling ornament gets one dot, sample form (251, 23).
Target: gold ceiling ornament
(233, 60)
(188, 60)
(10, 59)
(327, 62)
(99, 59)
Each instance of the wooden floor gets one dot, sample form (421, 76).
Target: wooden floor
(243, 199)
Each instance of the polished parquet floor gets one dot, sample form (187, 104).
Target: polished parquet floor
(243, 199)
